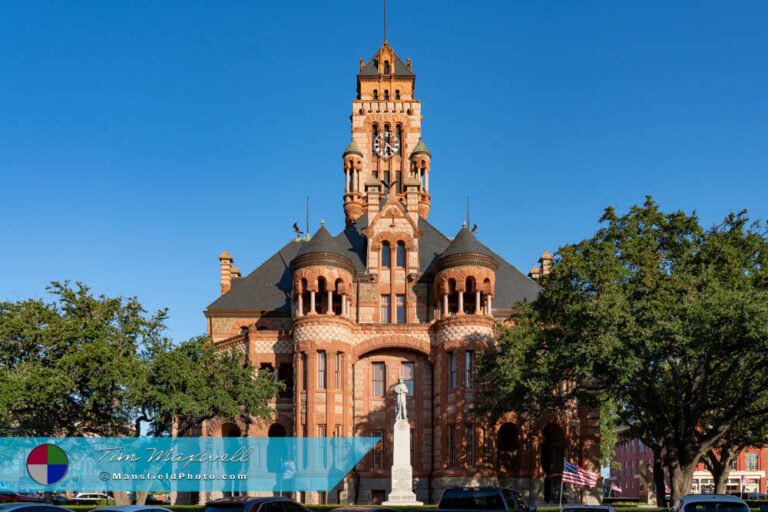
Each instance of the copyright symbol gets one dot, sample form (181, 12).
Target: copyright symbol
(103, 476)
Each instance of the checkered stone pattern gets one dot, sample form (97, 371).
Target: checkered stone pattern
(321, 332)
(273, 346)
(465, 332)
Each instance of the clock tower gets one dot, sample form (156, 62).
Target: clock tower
(386, 155)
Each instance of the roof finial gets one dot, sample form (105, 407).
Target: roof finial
(307, 232)
(385, 22)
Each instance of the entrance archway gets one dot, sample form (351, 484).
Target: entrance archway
(553, 453)
(509, 448)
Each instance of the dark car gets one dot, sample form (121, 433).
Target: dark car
(246, 504)
(490, 499)
(352, 508)
(31, 507)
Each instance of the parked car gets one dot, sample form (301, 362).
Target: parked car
(31, 507)
(246, 504)
(158, 499)
(92, 498)
(710, 503)
(588, 508)
(131, 508)
(363, 509)
(483, 499)
(7, 495)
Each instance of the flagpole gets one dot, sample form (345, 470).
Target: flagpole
(561, 491)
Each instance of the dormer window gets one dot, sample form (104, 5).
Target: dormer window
(386, 67)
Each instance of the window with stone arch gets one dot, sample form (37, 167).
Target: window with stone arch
(386, 255)
(375, 94)
(386, 94)
(386, 67)
(397, 94)
(400, 259)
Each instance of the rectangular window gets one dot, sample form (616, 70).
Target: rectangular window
(451, 446)
(378, 450)
(378, 378)
(751, 460)
(322, 450)
(469, 368)
(399, 178)
(321, 365)
(469, 439)
(451, 370)
(285, 375)
(304, 371)
(400, 304)
(408, 372)
(339, 361)
(386, 309)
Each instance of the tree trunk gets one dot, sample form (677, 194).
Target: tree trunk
(720, 467)
(681, 478)
(659, 482)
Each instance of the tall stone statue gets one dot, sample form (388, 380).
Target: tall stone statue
(402, 470)
(401, 390)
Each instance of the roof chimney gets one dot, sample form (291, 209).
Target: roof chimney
(225, 262)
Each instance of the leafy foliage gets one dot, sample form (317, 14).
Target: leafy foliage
(94, 365)
(665, 318)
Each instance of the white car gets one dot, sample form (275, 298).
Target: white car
(92, 498)
(710, 503)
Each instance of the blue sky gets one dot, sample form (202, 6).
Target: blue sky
(140, 139)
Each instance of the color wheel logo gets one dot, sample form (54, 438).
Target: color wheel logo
(47, 464)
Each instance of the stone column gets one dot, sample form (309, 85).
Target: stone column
(426, 181)
(311, 303)
(478, 306)
(402, 470)
(346, 180)
(329, 306)
(344, 305)
(461, 304)
(490, 305)
(300, 304)
(445, 305)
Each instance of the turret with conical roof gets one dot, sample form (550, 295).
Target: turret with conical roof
(322, 267)
(466, 276)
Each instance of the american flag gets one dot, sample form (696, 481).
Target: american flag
(573, 474)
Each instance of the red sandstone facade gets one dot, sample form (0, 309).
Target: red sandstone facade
(340, 319)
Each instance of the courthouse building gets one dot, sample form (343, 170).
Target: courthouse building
(339, 318)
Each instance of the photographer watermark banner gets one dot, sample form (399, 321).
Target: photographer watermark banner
(196, 464)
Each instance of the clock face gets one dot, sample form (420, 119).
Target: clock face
(386, 144)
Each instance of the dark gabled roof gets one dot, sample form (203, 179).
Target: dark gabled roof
(268, 288)
(466, 243)
(322, 242)
(371, 69)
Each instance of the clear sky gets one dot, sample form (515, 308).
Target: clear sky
(139, 139)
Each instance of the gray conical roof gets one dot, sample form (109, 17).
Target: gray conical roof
(421, 149)
(466, 243)
(322, 242)
(352, 149)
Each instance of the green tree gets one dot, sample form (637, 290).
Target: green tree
(68, 367)
(192, 383)
(665, 318)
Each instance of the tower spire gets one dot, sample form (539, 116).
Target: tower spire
(385, 21)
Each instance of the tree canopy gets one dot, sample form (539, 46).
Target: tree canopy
(87, 365)
(665, 318)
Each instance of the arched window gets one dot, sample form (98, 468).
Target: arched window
(400, 254)
(386, 67)
(386, 94)
(386, 255)
(399, 131)
(374, 134)
(375, 94)
(397, 94)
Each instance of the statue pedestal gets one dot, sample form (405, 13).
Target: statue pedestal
(402, 471)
